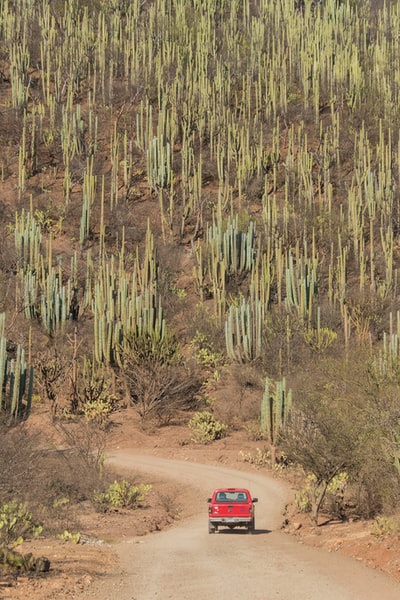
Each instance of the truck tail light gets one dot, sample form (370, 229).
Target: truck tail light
(251, 509)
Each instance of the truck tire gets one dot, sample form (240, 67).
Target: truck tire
(252, 526)
(211, 528)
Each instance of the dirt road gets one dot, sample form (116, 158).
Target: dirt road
(186, 563)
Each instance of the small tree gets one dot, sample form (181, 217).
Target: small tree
(159, 390)
(321, 436)
(158, 380)
(19, 459)
(51, 368)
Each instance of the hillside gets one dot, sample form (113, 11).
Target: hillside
(200, 215)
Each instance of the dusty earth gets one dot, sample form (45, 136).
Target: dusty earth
(100, 566)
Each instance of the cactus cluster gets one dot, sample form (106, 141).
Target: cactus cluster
(243, 330)
(229, 253)
(16, 382)
(28, 240)
(127, 306)
(228, 245)
(301, 287)
(159, 163)
(275, 407)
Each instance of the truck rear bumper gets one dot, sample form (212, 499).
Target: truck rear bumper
(230, 520)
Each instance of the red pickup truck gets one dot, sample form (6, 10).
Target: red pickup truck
(231, 507)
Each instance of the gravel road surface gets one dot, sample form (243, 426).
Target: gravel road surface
(184, 562)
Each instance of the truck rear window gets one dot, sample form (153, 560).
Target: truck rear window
(231, 497)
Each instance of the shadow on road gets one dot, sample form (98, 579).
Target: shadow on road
(228, 531)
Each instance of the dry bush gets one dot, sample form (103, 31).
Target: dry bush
(238, 397)
(159, 390)
(20, 458)
(51, 368)
(69, 475)
(174, 301)
(204, 321)
(83, 456)
(39, 477)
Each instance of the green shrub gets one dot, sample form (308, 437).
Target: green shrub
(67, 536)
(121, 494)
(385, 526)
(205, 428)
(335, 493)
(205, 352)
(320, 339)
(16, 524)
(59, 502)
(261, 458)
(99, 409)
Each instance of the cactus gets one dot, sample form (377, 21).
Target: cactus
(46, 299)
(28, 240)
(386, 362)
(229, 253)
(275, 407)
(159, 163)
(16, 383)
(88, 193)
(301, 286)
(243, 331)
(127, 308)
(235, 249)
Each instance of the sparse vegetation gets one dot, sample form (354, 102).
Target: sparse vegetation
(121, 494)
(260, 458)
(385, 526)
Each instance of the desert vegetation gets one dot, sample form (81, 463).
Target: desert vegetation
(202, 193)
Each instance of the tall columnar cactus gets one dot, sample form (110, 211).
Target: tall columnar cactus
(138, 318)
(3, 369)
(55, 302)
(88, 197)
(232, 247)
(301, 286)
(46, 298)
(28, 240)
(229, 253)
(243, 330)
(261, 281)
(159, 163)
(275, 406)
(387, 360)
(386, 365)
(146, 270)
(127, 307)
(16, 383)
